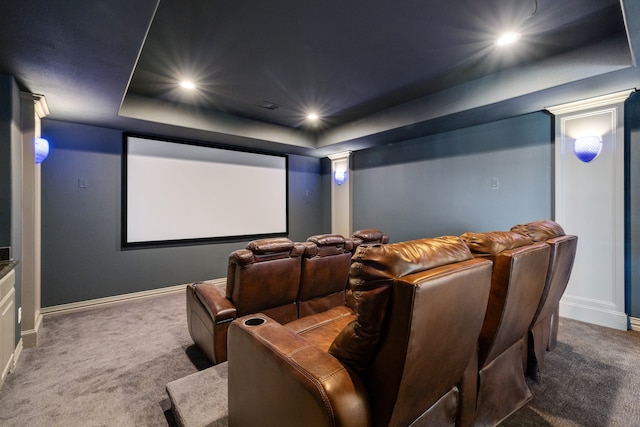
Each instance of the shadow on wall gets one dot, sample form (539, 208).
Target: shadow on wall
(508, 134)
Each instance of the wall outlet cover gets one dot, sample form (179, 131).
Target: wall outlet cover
(5, 253)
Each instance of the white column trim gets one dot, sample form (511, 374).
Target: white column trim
(34, 108)
(341, 195)
(603, 302)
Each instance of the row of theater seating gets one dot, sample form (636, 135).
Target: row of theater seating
(278, 277)
(436, 331)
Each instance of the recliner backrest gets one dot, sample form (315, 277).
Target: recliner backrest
(369, 235)
(264, 277)
(544, 327)
(419, 309)
(563, 252)
(325, 273)
(519, 271)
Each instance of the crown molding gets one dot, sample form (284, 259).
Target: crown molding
(585, 104)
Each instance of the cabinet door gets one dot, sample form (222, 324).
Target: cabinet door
(7, 323)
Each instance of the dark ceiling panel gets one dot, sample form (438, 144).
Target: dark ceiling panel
(374, 70)
(348, 59)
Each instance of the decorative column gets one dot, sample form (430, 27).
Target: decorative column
(341, 193)
(589, 202)
(34, 108)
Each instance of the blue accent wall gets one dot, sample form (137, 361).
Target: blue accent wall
(632, 205)
(6, 118)
(81, 254)
(11, 180)
(481, 178)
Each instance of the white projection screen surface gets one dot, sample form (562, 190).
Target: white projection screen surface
(176, 191)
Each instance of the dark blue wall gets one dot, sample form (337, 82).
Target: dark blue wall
(442, 184)
(429, 186)
(81, 254)
(6, 118)
(632, 214)
(11, 179)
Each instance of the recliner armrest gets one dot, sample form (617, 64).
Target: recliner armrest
(278, 378)
(213, 298)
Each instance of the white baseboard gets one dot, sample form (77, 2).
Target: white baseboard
(29, 337)
(635, 323)
(598, 316)
(16, 354)
(107, 301)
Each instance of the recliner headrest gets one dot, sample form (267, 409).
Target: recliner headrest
(275, 244)
(396, 260)
(327, 244)
(540, 231)
(326, 239)
(494, 242)
(265, 250)
(370, 235)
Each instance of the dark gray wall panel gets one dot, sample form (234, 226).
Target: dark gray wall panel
(81, 254)
(632, 134)
(442, 184)
(11, 180)
(305, 198)
(5, 159)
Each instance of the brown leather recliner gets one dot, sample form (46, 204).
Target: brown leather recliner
(325, 273)
(284, 279)
(543, 331)
(399, 357)
(263, 277)
(519, 272)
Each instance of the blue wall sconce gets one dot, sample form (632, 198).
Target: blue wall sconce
(340, 176)
(41, 150)
(587, 148)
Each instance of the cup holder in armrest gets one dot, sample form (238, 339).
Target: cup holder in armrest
(254, 321)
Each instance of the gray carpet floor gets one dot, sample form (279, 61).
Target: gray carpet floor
(592, 378)
(103, 367)
(110, 366)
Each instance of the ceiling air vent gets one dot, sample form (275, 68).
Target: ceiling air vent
(269, 105)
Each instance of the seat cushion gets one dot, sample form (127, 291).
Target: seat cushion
(322, 328)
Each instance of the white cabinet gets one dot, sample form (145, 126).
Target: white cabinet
(7, 322)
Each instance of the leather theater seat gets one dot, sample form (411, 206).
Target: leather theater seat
(543, 331)
(263, 277)
(519, 272)
(325, 273)
(399, 355)
(281, 278)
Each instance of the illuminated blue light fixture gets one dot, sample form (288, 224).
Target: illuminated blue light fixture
(587, 148)
(340, 176)
(42, 150)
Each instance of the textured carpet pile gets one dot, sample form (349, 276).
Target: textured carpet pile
(103, 367)
(110, 367)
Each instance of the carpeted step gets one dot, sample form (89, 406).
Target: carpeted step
(200, 399)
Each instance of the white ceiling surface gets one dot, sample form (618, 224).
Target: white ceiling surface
(377, 72)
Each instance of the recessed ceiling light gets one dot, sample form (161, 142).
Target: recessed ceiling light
(508, 38)
(187, 84)
(313, 117)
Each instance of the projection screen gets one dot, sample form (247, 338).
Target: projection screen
(181, 192)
